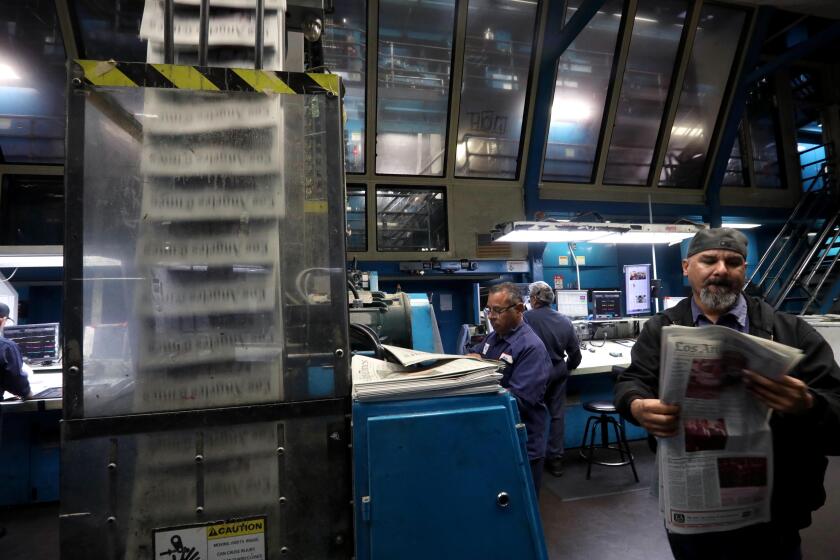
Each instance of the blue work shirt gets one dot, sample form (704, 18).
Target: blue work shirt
(12, 378)
(525, 375)
(558, 334)
(736, 318)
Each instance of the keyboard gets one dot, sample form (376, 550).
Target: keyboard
(51, 393)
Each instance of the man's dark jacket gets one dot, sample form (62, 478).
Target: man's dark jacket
(800, 443)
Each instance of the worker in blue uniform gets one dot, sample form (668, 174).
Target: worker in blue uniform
(528, 366)
(12, 377)
(558, 334)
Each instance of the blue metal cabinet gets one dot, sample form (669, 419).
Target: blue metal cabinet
(444, 478)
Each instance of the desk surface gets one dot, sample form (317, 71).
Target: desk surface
(37, 382)
(600, 361)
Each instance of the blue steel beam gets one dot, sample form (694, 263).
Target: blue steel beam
(554, 45)
(818, 41)
(729, 131)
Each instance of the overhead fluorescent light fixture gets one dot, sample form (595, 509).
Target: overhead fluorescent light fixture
(742, 226)
(31, 256)
(593, 232)
(647, 234)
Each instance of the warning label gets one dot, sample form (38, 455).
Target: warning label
(222, 530)
(234, 540)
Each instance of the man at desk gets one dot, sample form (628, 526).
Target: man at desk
(526, 373)
(558, 334)
(12, 378)
(805, 421)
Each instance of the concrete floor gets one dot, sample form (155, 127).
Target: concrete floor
(609, 517)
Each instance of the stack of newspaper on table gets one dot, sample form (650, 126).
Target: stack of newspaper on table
(413, 377)
(716, 474)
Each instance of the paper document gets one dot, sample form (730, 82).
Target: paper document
(375, 379)
(716, 474)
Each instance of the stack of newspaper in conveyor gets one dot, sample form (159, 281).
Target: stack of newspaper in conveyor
(413, 378)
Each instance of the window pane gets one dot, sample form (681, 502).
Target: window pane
(712, 55)
(32, 210)
(345, 53)
(500, 34)
(110, 30)
(32, 78)
(411, 219)
(414, 64)
(761, 116)
(734, 176)
(356, 219)
(580, 92)
(656, 36)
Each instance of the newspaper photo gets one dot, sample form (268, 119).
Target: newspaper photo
(716, 474)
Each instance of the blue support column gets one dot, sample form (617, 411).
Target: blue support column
(554, 45)
(535, 258)
(729, 131)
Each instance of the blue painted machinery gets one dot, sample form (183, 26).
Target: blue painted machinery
(443, 478)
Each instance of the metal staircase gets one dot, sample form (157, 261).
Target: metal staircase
(799, 272)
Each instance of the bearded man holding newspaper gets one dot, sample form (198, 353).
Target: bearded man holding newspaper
(805, 402)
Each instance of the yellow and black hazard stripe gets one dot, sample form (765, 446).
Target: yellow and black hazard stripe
(202, 78)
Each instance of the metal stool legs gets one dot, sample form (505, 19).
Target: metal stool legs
(587, 449)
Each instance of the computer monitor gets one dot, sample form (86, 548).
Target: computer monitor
(637, 289)
(606, 303)
(670, 301)
(573, 303)
(39, 343)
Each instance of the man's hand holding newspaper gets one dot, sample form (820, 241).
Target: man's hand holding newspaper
(715, 457)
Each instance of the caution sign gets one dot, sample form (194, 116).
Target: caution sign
(243, 539)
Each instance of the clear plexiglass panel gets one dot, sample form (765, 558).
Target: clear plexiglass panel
(580, 92)
(411, 219)
(213, 249)
(157, 482)
(657, 29)
(497, 58)
(712, 56)
(414, 62)
(345, 54)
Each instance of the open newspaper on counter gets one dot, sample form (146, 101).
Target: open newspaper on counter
(716, 474)
(375, 380)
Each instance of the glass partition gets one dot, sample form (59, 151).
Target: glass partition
(409, 219)
(735, 175)
(657, 29)
(764, 130)
(345, 54)
(497, 59)
(414, 62)
(32, 78)
(356, 218)
(212, 248)
(701, 99)
(580, 93)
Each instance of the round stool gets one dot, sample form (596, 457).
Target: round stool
(604, 410)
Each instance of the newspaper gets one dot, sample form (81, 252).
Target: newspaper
(375, 379)
(716, 474)
(408, 357)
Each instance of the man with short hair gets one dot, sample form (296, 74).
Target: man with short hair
(527, 367)
(805, 421)
(558, 334)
